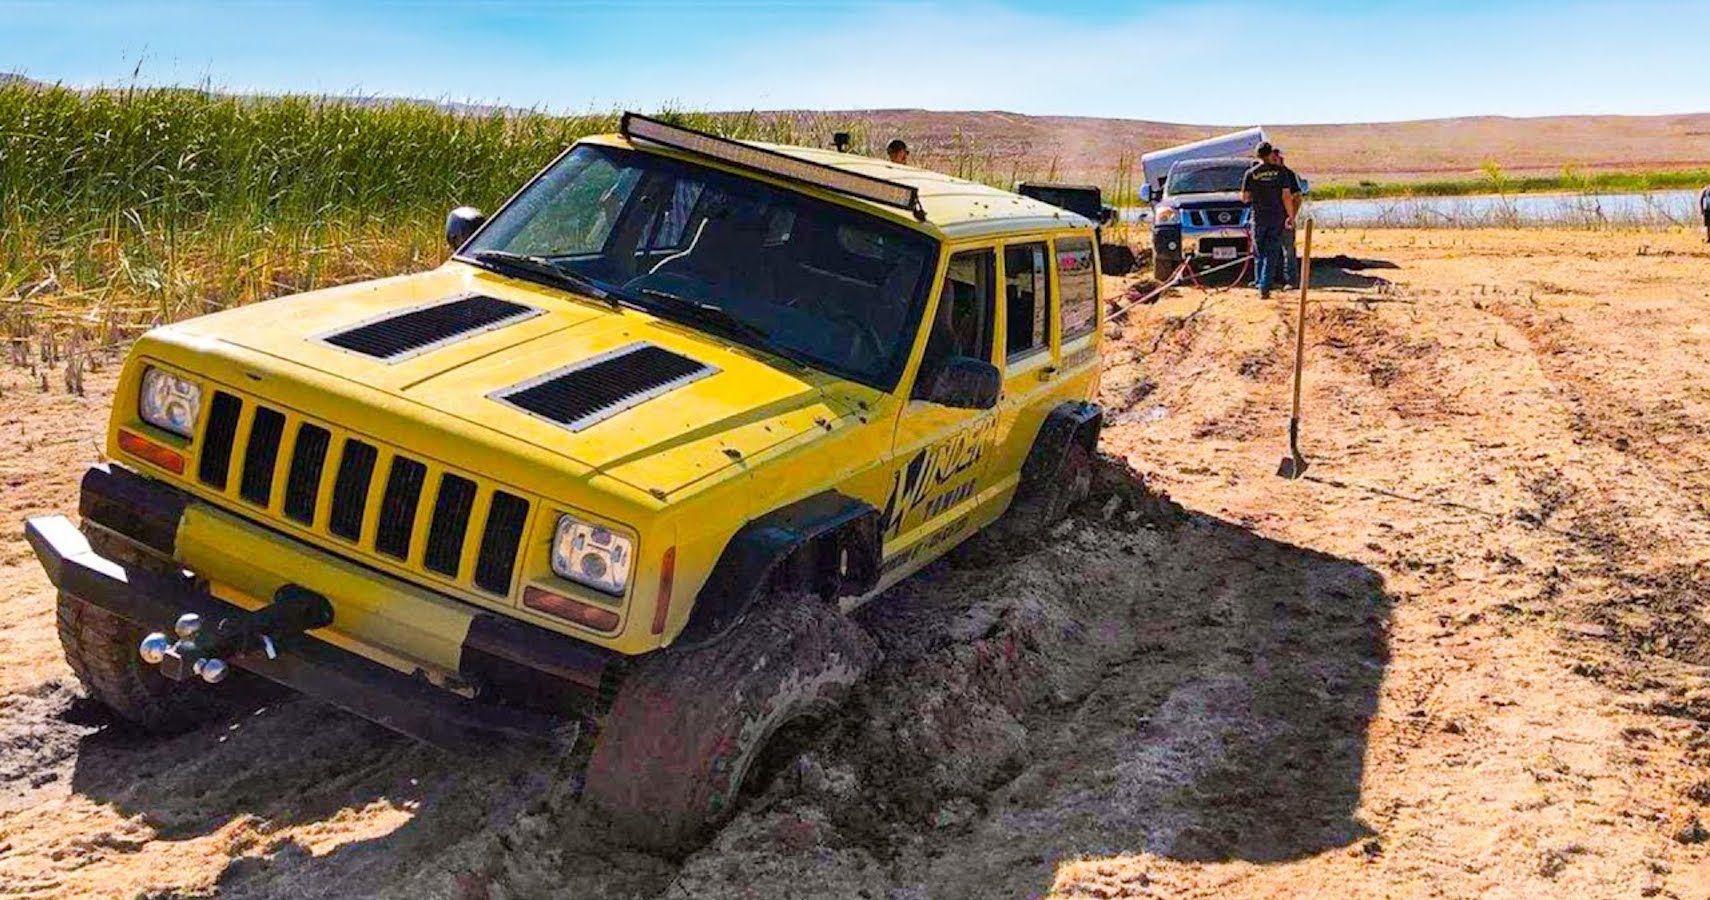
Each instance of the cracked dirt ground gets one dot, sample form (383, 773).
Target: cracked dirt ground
(1467, 655)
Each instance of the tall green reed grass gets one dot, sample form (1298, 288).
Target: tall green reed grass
(124, 208)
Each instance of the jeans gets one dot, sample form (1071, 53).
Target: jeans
(1267, 248)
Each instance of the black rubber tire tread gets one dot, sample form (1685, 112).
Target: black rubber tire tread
(1164, 266)
(687, 724)
(101, 649)
(1030, 515)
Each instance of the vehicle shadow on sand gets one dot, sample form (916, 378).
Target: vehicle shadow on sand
(1165, 683)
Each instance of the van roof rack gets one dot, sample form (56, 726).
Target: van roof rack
(770, 162)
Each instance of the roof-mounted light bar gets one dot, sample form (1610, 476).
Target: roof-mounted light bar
(771, 162)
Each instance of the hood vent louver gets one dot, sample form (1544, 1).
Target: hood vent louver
(400, 335)
(593, 390)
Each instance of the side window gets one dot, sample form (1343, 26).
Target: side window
(1077, 279)
(1026, 289)
(966, 308)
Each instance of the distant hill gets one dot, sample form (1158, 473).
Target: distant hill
(1089, 149)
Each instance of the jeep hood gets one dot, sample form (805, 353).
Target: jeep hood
(665, 435)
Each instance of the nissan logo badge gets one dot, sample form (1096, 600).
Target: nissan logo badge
(1223, 217)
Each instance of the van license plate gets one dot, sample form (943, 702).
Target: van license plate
(1223, 253)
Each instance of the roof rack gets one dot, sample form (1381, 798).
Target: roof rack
(770, 162)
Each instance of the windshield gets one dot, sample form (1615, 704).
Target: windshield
(1207, 180)
(813, 281)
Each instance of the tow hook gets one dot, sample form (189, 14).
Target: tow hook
(202, 652)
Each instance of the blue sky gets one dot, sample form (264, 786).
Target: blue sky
(1241, 62)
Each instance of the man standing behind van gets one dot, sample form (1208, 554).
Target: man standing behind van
(1273, 193)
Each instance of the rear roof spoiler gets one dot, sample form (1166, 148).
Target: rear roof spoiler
(770, 162)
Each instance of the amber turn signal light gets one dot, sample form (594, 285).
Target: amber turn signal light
(562, 607)
(667, 575)
(144, 449)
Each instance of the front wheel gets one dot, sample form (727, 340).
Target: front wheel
(101, 649)
(1164, 267)
(688, 724)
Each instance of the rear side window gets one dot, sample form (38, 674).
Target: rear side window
(1026, 300)
(1077, 279)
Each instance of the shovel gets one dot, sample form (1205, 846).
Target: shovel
(1294, 465)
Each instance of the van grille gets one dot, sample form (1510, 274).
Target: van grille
(594, 390)
(374, 498)
(399, 336)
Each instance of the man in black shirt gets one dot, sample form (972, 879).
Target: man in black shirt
(1274, 193)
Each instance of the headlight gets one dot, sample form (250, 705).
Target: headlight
(592, 555)
(1165, 215)
(169, 402)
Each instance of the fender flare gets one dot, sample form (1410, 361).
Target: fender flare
(745, 568)
(1073, 421)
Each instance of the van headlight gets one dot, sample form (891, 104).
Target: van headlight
(1165, 215)
(592, 555)
(169, 402)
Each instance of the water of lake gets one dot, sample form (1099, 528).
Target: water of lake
(1647, 208)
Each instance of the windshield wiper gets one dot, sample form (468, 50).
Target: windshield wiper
(712, 313)
(545, 268)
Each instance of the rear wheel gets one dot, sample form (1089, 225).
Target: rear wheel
(101, 649)
(1031, 514)
(688, 724)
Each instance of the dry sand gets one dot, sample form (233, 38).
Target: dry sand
(1466, 656)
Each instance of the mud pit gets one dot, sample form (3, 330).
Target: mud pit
(1466, 655)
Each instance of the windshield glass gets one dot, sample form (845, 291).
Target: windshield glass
(816, 282)
(1207, 180)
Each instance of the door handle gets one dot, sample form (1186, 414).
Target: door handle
(1047, 373)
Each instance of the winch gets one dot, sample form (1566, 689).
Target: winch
(201, 651)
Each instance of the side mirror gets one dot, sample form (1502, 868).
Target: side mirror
(461, 223)
(964, 382)
(1146, 193)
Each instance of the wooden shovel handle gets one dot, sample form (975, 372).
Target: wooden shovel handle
(1300, 326)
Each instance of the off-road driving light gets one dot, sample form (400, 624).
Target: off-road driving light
(1165, 215)
(592, 555)
(771, 162)
(169, 402)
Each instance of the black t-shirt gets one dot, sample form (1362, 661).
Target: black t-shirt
(1265, 183)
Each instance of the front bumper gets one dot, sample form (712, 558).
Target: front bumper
(510, 672)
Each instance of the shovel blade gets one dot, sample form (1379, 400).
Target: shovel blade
(1291, 467)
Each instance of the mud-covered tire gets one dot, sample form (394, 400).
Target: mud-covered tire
(101, 649)
(1031, 514)
(1163, 267)
(688, 724)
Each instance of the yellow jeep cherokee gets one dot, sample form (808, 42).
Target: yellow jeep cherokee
(623, 463)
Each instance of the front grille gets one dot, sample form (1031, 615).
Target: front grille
(450, 522)
(505, 518)
(350, 489)
(398, 507)
(399, 336)
(260, 454)
(217, 440)
(1221, 217)
(594, 390)
(303, 484)
(373, 498)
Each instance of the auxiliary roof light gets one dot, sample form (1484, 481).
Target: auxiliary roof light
(771, 162)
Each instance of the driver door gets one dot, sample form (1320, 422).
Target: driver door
(940, 453)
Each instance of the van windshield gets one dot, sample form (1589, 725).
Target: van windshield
(1207, 179)
(813, 281)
